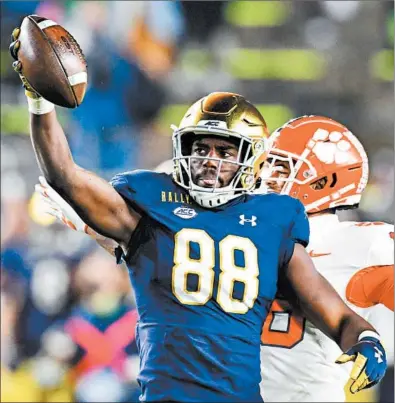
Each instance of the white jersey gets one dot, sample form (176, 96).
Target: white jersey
(298, 360)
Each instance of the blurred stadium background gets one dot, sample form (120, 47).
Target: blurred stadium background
(147, 62)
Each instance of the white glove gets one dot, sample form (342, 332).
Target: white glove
(58, 207)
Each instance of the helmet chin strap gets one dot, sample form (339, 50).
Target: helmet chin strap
(212, 200)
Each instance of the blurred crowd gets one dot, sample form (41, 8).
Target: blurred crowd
(67, 311)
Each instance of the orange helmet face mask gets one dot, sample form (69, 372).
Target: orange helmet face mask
(327, 163)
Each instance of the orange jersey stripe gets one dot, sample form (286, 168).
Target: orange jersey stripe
(371, 286)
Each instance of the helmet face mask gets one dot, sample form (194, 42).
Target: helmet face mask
(328, 167)
(229, 118)
(293, 164)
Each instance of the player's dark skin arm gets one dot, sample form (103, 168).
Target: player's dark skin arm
(320, 302)
(94, 199)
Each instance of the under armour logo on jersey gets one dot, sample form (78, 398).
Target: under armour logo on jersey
(378, 355)
(251, 220)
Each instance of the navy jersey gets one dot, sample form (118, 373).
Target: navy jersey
(204, 280)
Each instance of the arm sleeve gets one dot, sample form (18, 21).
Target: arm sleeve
(371, 286)
(374, 284)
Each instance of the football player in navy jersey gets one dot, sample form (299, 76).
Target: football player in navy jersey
(205, 256)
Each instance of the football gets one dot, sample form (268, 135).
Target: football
(52, 61)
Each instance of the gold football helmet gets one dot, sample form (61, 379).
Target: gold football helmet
(229, 116)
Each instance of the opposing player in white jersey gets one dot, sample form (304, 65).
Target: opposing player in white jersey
(320, 162)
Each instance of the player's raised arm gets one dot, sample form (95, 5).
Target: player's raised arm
(95, 200)
(323, 306)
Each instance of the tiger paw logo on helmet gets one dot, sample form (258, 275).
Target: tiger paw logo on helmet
(319, 161)
(331, 147)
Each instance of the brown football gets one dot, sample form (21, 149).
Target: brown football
(52, 61)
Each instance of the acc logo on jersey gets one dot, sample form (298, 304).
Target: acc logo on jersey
(185, 212)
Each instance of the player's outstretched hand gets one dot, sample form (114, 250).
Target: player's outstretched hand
(58, 207)
(370, 363)
(17, 65)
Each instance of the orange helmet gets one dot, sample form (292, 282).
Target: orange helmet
(328, 165)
